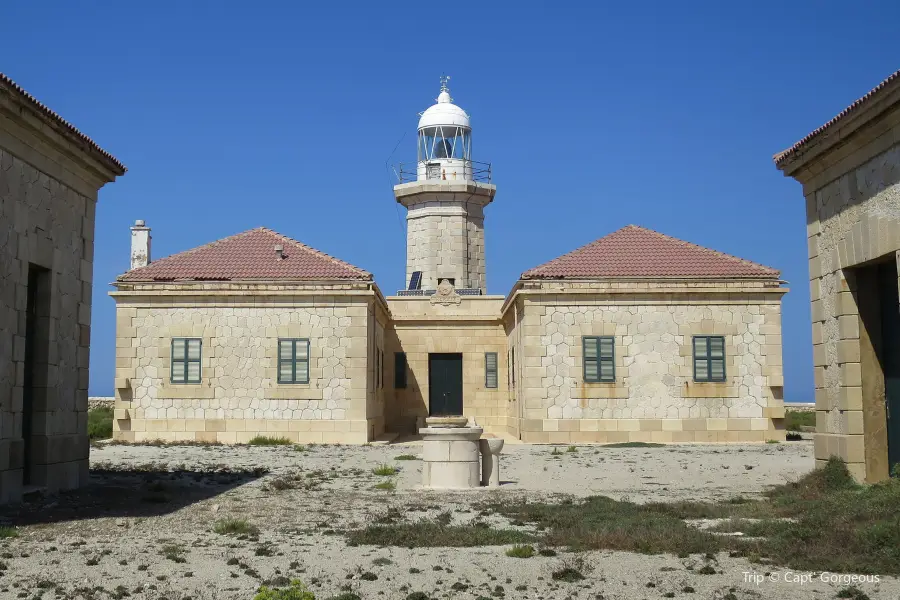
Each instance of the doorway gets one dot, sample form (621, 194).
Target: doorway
(37, 356)
(878, 301)
(445, 385)
(890, 355)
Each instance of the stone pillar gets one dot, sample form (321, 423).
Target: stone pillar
(450, 457)
(490, 461)
(140, 245)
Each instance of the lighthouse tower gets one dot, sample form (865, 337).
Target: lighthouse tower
(445, 196)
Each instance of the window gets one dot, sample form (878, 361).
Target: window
(293, 361)
(599, 358)
(400, 370)
(709, 358)
(512, 364)
(186, 360)
(490, 369)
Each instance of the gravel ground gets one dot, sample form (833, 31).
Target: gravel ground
(144, 527)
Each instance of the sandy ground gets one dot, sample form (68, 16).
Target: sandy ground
(143, 528)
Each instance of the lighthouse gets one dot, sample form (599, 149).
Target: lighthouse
(445, 196)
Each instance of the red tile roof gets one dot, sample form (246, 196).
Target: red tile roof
(873, 93)
(643, 253)
(6, 82)
(249, 255)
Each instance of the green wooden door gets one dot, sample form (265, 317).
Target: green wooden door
(890, 355)
(445, 385)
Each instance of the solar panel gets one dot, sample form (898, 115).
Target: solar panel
(415, 280)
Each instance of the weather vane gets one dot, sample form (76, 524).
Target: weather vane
(444, 80)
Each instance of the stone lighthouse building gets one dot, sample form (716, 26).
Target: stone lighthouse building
(636, 336)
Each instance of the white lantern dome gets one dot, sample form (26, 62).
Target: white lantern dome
(444, 112)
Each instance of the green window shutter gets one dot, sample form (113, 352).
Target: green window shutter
(591, 358)
(607, 358)
(400, 370)
(177, 366)
(301, 358)
(490, 370)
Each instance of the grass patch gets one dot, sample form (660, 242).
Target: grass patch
(388, 486)
(634, 445)
(235, 527)
(822, 522)
(521, 551)
(8, 532)
(603, 523)
(100, 423)
(296, 591)
(385, 470)
(265, 440)
(406, 457)
(795, 419)
(571, 449)
(427, 534)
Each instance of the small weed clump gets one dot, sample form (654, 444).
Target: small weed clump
(388, 486)
(793, 436)
(571, 449)
(406, 457)
(853, 593)
(174, 553)
(521, 551)
(8, 532)
(567, 575)
(385, 470)
(235, 527)
(265, 440)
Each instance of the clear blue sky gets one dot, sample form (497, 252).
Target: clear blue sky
(595, 115)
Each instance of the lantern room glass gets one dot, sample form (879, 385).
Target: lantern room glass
(445, 141)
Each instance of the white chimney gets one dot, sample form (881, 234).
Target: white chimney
(140, 245)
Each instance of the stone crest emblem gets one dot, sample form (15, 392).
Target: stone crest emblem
(446, 294)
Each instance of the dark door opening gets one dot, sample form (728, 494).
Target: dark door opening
(37, 355)
(445, 385)
(890, 355)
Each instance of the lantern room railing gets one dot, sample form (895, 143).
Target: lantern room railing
(409, 172)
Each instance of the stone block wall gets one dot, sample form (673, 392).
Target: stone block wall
(446, 240)
(853, 216)
(239, 396)
(46, 227)
(654, 397)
